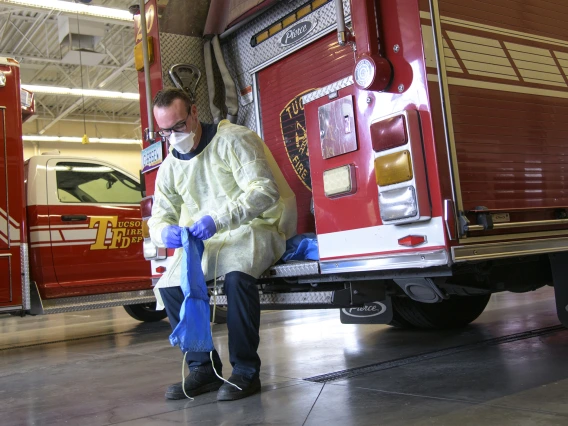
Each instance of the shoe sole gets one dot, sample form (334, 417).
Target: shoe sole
(237, 395)
(210, 387)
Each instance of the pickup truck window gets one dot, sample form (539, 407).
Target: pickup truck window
(94, 183)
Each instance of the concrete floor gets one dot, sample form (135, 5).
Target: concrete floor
(102, 367)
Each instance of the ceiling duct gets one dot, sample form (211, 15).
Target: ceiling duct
(78, 43)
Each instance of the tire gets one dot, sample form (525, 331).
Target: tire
(220, 315)
(455, 312)
(145, 312)
(398, 322)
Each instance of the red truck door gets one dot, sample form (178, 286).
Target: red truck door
(94, 224)
(12, 209)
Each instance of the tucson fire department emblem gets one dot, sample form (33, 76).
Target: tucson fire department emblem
(113, 234)
(293, 125)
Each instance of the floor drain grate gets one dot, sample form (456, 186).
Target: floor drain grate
(385, 365)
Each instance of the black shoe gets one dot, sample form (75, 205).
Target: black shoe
(200, 380)
(249, 387)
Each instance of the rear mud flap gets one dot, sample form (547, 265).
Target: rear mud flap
(559, 265)
(379, 312)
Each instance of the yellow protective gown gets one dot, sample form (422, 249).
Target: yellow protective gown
(236, 181)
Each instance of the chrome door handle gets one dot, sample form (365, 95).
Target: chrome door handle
(73, 217)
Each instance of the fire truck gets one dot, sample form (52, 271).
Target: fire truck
(70, 228)
(425, 141)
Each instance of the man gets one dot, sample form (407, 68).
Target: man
(219, 181)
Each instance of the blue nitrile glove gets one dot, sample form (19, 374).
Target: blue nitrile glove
(171, 236)
(204, 228)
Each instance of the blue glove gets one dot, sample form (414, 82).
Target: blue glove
(204, 228)
(171, 236)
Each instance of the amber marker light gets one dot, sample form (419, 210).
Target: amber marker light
(393, 168)
(145, 229)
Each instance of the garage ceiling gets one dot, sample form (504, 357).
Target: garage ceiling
(32, 36)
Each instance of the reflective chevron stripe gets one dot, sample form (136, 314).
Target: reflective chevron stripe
(14, 229)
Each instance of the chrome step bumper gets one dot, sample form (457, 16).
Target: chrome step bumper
(82, 303)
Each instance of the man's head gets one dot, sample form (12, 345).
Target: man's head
(174, 111)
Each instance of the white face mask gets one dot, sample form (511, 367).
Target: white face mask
(182, 142)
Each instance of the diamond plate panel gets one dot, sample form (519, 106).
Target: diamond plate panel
(247, 118)
(241, 58)
(324, 91)
(25, 265)
(71, 304)
(179, 49)
(295, 269)
(307, 298)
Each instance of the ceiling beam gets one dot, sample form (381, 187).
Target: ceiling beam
(26, 40)
(64, 73)
(24, 36)
(79, 102)
(109, 53)
(8, 20)
(65, 10)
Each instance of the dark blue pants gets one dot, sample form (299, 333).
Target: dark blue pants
(243, 322)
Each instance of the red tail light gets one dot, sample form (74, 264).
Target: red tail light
(389, 133)
(161, 269)
(401, 170)
(146, 206)
(412, 240)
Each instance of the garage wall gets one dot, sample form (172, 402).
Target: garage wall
(126, 157)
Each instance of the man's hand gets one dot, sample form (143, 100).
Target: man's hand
(171, 236)
(204, 228)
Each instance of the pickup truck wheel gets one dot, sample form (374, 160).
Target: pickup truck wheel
(455, 312)
(145, 312)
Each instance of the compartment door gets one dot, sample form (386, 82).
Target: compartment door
(282, 86)
(506, 100)
(5, 255)
(4, 220)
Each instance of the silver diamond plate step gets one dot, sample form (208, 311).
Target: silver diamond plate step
(327, 90)
(293, 269)
(71, 304)
(300, 299)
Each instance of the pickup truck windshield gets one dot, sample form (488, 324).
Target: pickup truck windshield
(94, 183)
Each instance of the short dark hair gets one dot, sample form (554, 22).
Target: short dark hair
(165, 97)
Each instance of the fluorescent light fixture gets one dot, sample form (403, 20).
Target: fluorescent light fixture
(75, 8)
(38, 138)
(66, 91)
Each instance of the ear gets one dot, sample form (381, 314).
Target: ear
(194, 111)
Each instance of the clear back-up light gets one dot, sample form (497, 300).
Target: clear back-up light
(339, 181)
(398, 204)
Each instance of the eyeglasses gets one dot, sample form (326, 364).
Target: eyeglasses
(181, 126)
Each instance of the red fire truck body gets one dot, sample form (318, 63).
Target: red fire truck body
(70, 228)
(427, 135)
